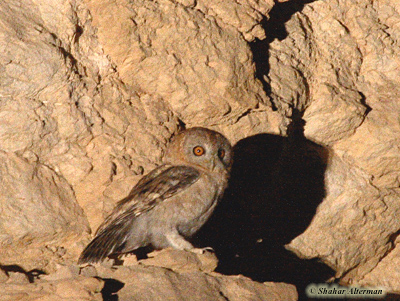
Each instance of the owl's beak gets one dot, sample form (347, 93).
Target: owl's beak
(216, 165)
(213, 164)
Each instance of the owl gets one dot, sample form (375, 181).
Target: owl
(172, 202)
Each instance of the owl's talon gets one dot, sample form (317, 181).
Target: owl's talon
(209, 249)
(202, 250)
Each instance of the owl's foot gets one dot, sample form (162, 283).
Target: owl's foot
(202, 250)
(176, 241)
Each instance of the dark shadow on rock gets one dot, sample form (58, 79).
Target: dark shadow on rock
(274, 28)
(111, 288)
(32, 274)
(275, 187)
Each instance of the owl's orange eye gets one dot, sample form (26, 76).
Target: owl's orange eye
(198, 151)
(221, 153)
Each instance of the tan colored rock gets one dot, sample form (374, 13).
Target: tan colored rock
(318, 76)
(92, 90)
(238, 288)
(62, 272)
(178, 260)
(386, 273)
(118, 155)
(182, 275)
(155, 283)
(339, 66)
(282, 291)
(81, 288)
(202, 68)
(17, 278)
(64, 117)
(3, 276)
(244, 15)
(78, 288)
(88, 271)
(40, 207)
(353, 225)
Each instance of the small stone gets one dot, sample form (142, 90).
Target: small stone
(63, 272)
(130, 259)
(70, 289)
(108, 262)
(182, 261)
(88, 271)
(17, 278)
(209, 261)
(93, 284)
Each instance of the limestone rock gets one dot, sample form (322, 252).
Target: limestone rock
(319, 75)
(352, 212)
(203, 68)
(78, 288)
(91, 91)
(178, 260)
(17, 278)
(83, 128)
(40, 207)
(173, 274)
(155, 283)
(144, 281)
(245, 15)
(387, 273)
(338, 65)
(3, 276)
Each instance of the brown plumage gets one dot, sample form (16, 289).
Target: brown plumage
(171, 202)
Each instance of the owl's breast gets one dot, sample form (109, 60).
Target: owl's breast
(198, 203)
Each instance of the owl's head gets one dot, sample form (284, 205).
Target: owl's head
(200, 147)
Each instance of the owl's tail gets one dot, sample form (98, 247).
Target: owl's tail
(109, 241)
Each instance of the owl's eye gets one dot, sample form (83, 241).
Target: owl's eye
(221, 154)
(198, 151)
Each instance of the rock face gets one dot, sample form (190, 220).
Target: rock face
(91, 91)
(340, 58)
(39, 207)
(18, 287)
(143, 281)
(177, 275)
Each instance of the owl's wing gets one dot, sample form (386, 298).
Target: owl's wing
(152, 189)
